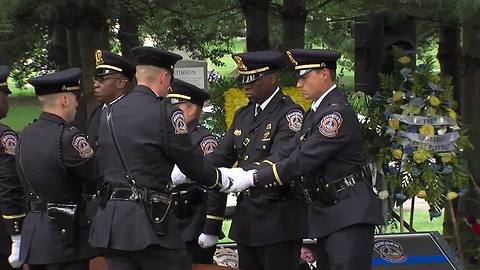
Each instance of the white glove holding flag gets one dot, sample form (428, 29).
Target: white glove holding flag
(238, 179)
(14, 258)
(178, 177)
(207, 240)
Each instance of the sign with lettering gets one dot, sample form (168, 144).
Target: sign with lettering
(192, 71)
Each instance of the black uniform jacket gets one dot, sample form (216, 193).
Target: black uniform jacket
(59, 166)
(206, 207)
(267, 215)
(151, 141)
(329, 145)
(11, 193)
(93, 124)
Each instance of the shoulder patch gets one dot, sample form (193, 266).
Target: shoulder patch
(178, 122)
(9, 142)
(82, 146)
(208, 144)
(330, 124)
(295, 119)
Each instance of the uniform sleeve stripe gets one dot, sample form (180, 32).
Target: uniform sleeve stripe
(215, 217)
(275, 173)
(14, 216)
(216, 181)
(268, 161)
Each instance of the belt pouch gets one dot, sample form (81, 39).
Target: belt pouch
(159, 205)
(63, 216)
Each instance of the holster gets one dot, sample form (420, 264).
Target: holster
(64, 217)
(158, 206)
(104, 194)
(184, 201)
(328, 193)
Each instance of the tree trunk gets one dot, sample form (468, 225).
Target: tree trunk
(471, 111)
(128, 32)
(256, 17)
(449, 58)
(60, 46)
(294, 16)
(449, 55)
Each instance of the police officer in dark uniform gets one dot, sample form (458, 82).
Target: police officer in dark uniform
(325, 157)
(199, 213)
(113, 74)
(11, 192)
(269, 222)
(56, 166)
(141, 138)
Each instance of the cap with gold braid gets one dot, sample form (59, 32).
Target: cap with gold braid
(107, 62)
(4, 72)
(306, 60)
(252, 65)
(67, 80)
(183, 91)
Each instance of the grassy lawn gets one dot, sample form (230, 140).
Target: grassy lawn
(421, 223)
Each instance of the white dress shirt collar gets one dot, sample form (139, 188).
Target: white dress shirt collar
(319, 100)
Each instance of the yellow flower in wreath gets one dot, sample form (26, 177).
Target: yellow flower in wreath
(422, 194)
(394, 123)
(397, 153)
(427, 130)
(431, 111)
(452, 114)
(404, 60)
(445, 157)
(397, 95)
(434, 101)
(420, 156)
(435, 78)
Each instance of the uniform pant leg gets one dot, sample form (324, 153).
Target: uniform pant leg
(248, 258)
(78, 265)
(350, 248)
(121, 260)
(157, 258)
(280, 256)
(199, 254)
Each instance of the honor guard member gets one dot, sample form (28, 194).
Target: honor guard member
(56, 166)
(113, 75)
(269, 222)
(141, 138)
(326, 158)
(11, 192)
(199, 213)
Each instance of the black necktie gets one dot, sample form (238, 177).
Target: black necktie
(259, 111)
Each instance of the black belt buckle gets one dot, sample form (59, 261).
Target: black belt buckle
(123, 194)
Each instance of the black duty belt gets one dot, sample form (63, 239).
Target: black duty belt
(126, 194)
(41, 206)
(254, 191)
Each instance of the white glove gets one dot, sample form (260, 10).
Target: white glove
(178, 177)
(207, 240)
(14, 258)
(236, 179)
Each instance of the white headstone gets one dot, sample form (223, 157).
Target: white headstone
(192, 71)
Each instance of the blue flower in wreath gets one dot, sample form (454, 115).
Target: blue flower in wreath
(406, 73)
(448, 103)
(387, 113)
(435, 167)
(392, 169)
(411, 129)
(377, 96)
(415, 171)
(409, 149)
(434, 87)
(417, 102)
(447, 170)
(434, 214)
(421, 68)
